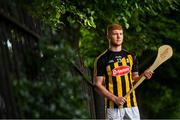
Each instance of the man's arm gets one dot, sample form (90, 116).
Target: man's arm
(100, 87)
(146, 73)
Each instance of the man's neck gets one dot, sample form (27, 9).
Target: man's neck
(115, 48)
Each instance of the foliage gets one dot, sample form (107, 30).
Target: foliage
(52, 13)
(147, 25)
(159, 96)
(58, 91)
(50, 99)
(141, 21)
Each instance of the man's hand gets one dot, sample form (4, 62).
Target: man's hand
(148, 74)
(120, 101)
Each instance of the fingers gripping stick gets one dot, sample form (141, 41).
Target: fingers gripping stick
(164, 53)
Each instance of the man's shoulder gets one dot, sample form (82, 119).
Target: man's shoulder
(103, 54)
(128, 52)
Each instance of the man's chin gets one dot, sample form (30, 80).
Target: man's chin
(116, 44)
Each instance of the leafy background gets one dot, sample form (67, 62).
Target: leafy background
(76, 29)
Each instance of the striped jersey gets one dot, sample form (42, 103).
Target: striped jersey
(117, 68)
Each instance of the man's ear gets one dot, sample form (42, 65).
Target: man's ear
(108, 37)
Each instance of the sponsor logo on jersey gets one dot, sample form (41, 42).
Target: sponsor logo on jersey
(110, 61)
(120, 71)
(119, 57)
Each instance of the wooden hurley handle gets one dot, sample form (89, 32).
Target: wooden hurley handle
(134, 87)
(164, 53)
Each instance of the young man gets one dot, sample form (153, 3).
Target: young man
(115, 72)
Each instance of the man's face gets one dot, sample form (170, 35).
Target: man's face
(116, 37)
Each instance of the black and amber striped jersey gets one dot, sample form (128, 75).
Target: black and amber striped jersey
(117, 68)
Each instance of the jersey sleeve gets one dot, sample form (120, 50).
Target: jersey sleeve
(100, 67)
(135, 64)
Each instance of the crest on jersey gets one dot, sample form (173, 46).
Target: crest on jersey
(118, 58)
